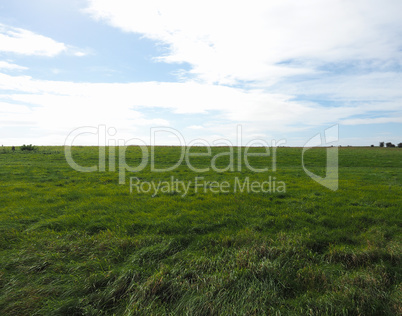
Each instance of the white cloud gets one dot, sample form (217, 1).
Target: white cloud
(80, 54)
(10, 66)
(86, 101)
(25, 42)
(21, 41)
(8, 108)
(377, 120)
(368, 87)
(57, 107)
(230, 41)
(196, 127)
(15, 115)
(263, 64)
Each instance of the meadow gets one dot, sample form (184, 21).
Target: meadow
(74, 243)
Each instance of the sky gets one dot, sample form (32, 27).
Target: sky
(282, 70)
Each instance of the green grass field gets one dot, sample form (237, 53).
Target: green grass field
(74, 243)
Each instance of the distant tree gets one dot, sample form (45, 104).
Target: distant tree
(400, 145)
(372, 145)
(381, 144)
(27, 147)
(389, 144)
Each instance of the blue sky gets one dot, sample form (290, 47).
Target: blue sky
(280, 69)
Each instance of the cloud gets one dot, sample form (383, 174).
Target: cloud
(57, 107)
(228, 103)
(24, 42)
(15, 115)
(10, 66)
(272, 66)
(195, 127)
(377, 120)
(299, 63)
(228, 42)
(80, 54)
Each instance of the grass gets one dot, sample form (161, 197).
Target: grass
(75, 243)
